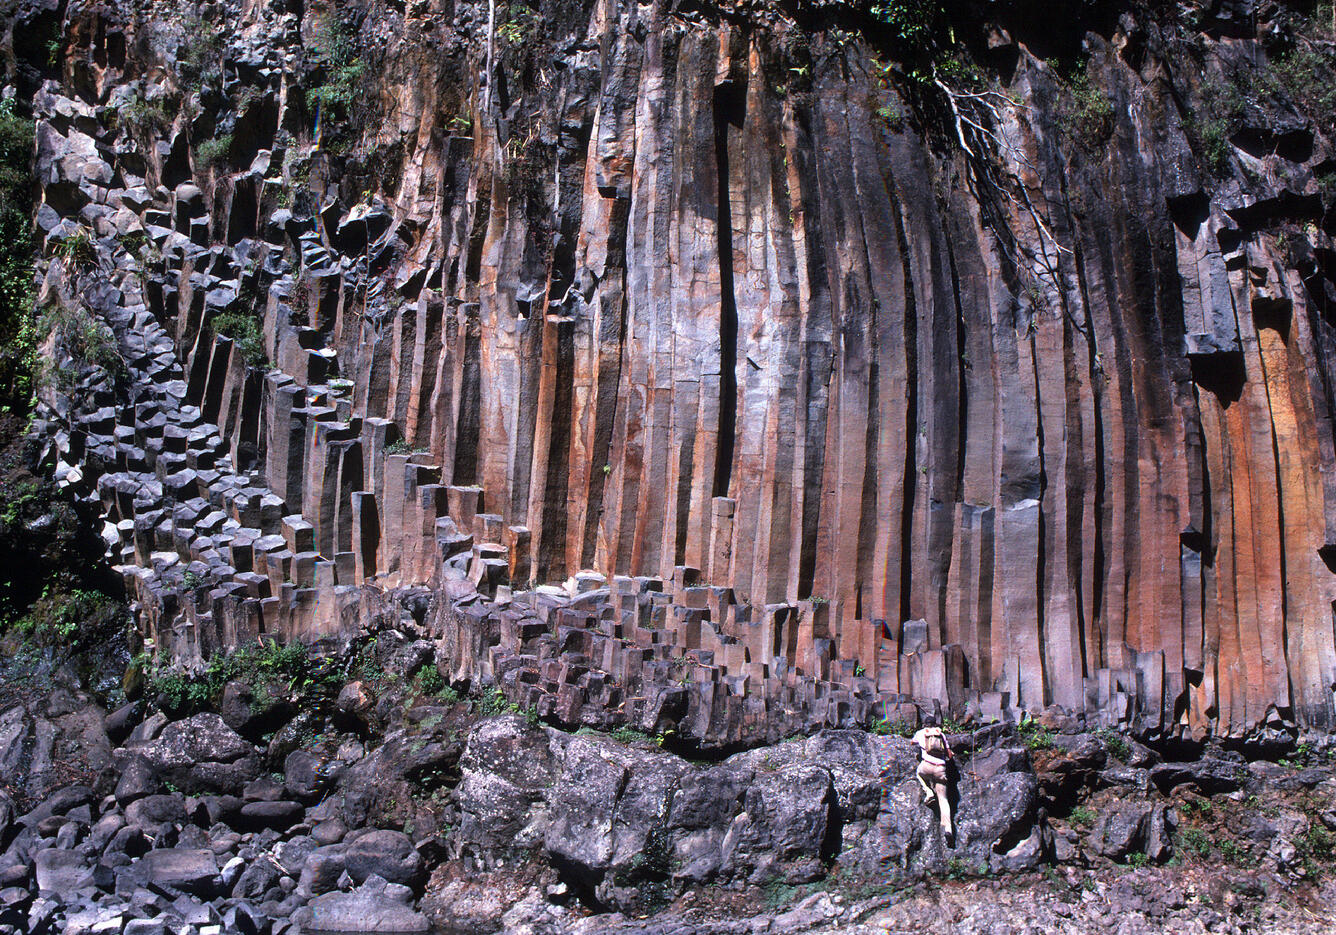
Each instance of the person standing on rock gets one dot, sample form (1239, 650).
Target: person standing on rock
(933, 772)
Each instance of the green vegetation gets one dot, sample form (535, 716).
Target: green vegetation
(518, 27)
(400, 446)
(1307, 76)
(1212, 126)
(892, 117)
(959, 869)
(1082, 816)
(493, 703)
(779, 895)
(1304, 75)
(1232, 851)
(896, 728)
(1034, 735)
(1317, 849)
(1195, 842)
(267, 666)
(1114, 743)
(334, 54)
(18, 333)
(1087, 116)
(199, 63)
(909, 22)
(1201, 806)
(88, 341)
(59, 614)
(215, 153)
(429, 680)
(628, 735)
(142, 117)
(244, 330)
(77, 251)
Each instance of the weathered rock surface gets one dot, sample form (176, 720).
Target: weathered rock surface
(676, 369)
(807, 436)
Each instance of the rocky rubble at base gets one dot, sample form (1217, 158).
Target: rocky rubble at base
(395, 811)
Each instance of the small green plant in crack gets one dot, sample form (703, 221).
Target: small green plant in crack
(1083, 816)
(144, 117)
(1317, 849)
(518, 26)
(959, 869)
(199, 64)
(1114, 743)
(909, 22)
(892, 118)
(88, 341)
(335, 54)
(245, 334)
(778, 894)
(429, 680)
(18, 332)
(1034, 735)
(133, 242)
(78, 251)
(1195, 841)
(631, 736)
(893, 728)
(1086, 116)
(215, 153)
(1199, 806)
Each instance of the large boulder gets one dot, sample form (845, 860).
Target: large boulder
(784, 828)
(202, 738)
(461, 901)
(136, 779)
(371, 909)
(279, 815)
(192, 870)
(997, 822)
(322, 870)
(607, 814)
(202, 754)
(1211, 775)
(156, 813)
(507, 769)
(1126, 829)
(252, 715)
(387, 854)
(1074, 765)
(59, 871)
(703, 806)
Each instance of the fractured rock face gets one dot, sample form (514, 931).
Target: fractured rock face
(810, 429)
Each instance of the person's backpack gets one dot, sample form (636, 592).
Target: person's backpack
(934, 742)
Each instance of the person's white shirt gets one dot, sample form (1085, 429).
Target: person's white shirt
(932, 737)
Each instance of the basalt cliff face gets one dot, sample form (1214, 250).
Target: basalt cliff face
(704, 367)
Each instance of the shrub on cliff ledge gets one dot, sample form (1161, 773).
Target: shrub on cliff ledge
(88, 342)
(18, 338)
(215, 152)
(1087, 116)
(245, 333)
(334, 54)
